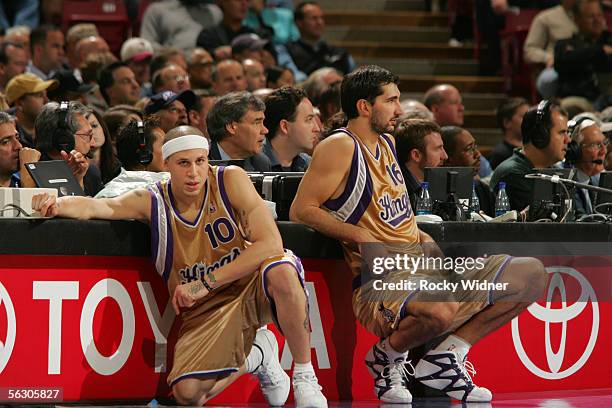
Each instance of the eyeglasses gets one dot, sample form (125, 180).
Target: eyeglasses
(471, 148)
(86, 136)
(596, 145)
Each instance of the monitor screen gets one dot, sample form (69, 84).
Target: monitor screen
(605, 181)
(444, 180)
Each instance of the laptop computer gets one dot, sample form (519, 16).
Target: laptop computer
(55, 174)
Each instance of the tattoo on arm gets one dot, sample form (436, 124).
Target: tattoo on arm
(245, 224)
(195, 288)
(212, 278)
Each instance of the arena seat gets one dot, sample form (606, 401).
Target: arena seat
(519, 76)
(279, 188)
(109, 16)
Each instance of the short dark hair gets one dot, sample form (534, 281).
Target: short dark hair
(449, 138)
(507, 109)
(364, 83)
(281, 104)
(129, 139)
(106, 80)
(201, 93)
(531, 124)
(39, 34)
(230, 108)
(410, 134)
(298, 14)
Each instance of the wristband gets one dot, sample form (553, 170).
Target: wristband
(206, 284)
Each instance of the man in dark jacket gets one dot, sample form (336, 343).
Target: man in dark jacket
(579, 59)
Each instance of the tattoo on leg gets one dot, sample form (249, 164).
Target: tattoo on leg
(307, 319)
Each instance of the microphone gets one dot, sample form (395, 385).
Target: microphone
(552, 178)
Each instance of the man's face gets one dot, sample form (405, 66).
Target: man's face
(188, 172)
(235, 9)
(9, 149)
(558, 137)
(386, 109)
(83, 139)
(593, 147)
(200, 70)
(53, 50)
(466, 152)
(591, 21)
(141, 70)
(17, 62)
(157, 164)
(450, 110)
(255, 75)
(304, 130)
(31, 104)
(312, 25)
(22, 39)
(434, 155)
(173, 116)
(125, 88)
(175, 79)
(249, 134)
(514, 125)
(230, 78)
(207, 103)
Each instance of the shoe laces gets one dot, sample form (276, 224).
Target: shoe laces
(467, 368)
(268, 377)
(397, 372)
(306, 380)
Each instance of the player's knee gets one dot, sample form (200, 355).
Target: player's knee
(438, 317)
(190, 392)
(532, 278)
(282, 280)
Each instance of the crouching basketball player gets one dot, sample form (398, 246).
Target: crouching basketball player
(218, 249)
(354, 191)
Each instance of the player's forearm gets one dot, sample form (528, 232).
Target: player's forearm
(82, 208)
(249, 260)
(325, 223)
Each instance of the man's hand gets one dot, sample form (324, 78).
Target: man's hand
(47, 205)
(187, 294)
(78, 164)
(27, 155)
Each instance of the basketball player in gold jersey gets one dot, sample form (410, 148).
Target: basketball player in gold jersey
(354, 191)
(217, 247)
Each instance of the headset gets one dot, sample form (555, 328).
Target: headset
(145, 155)
(541, 129)
(573, 153)
(63, 138)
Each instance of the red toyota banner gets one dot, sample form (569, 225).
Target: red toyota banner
(84, 328)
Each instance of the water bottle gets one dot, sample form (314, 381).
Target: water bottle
(474, 202)
(424, 202)
(502, 204)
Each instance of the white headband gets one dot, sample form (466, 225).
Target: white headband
(184, 143)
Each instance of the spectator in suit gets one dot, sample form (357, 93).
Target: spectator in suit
(236, 126)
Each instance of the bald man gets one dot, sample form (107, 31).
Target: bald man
(445, 102)
(228, 76)
(89, 45)
(255, 74)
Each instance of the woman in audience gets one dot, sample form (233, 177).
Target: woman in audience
(103, 153)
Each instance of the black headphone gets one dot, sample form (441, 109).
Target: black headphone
(145, 155)
(63, 138)
(540, 135)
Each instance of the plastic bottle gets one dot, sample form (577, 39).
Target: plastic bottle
(474, 202)
(424, 201)
(502, 204)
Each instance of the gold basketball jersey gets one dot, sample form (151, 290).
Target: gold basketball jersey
(184, 250)
(375, 197)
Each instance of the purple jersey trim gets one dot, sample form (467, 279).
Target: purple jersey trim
(224, 197)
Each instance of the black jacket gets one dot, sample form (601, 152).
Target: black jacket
(309, 59)
(259, 162)
(577, 61)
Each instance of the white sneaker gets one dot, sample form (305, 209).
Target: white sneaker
(443, 371)
(307, 391)
(390, 378)
(273, 380)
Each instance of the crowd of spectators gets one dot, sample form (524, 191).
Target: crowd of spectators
(259, 80)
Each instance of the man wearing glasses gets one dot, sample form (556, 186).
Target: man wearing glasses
(462, 151)
(50, 148)
(586, 153)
